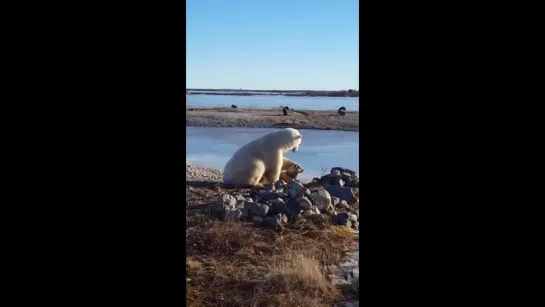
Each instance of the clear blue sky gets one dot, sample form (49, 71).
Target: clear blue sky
(276, 44)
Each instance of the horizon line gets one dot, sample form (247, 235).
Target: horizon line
(244, 89)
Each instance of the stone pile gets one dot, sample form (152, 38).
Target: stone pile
(289, 202)
(342, 177)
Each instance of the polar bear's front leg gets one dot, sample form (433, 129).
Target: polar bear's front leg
(273, 173)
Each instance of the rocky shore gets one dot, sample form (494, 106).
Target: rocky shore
(295, 221)
(272, 118)
(197, 173)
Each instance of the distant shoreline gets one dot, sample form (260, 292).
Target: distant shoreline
(271, 118)
(299, 93)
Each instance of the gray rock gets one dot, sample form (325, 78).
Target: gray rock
(356, 225)
(277, 201)
(335, 172)
(307, 213)
(331, 210)
(322, 199)
(280, 184)
(249, 199)
(268, 195)
(329, 179)
(343, 205)
(342, 193)
(264, 209)
(344, 170)
(232, 215)
(305, 203)
(297, 186)
(257, 219)
(237, 214)
(282, 195)
(283, 218)
(343, 218)
(293, 208)
(292, 193)
(276, 207)
(306, 192)
(227, 216)
(273, 221)
(269, 187)
(353, 218)
(335, 200)
(242, 208)
(255, 209)
(225, 201)
(240, 198)
(316, 210)
(347, 176)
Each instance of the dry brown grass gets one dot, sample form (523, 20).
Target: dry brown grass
(191, 264)
(300, 273)
(237, 264)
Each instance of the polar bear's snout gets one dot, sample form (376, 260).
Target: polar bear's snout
(297, 140)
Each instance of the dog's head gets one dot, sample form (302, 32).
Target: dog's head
(296, 169)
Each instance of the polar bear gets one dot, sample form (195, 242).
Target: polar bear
(260, 158)
(290, 170)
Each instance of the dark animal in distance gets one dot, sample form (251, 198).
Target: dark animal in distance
(342, 111)
(234, 106)
(285, 111)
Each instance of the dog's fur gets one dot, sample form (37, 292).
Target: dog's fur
(290, 170)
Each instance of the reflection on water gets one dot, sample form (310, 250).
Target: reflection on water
(266, 102)
(213, 147)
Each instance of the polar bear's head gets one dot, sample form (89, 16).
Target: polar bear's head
(286, 139)
(296, 139)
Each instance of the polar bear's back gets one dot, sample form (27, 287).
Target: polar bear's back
(283, 140)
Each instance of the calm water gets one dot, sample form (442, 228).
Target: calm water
(213, 147)
(265, 102)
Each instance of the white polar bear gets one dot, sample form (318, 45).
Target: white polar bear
(261, 158)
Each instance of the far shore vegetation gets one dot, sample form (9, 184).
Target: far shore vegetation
(242, 92)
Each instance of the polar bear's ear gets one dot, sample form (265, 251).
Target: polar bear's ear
(297, 137)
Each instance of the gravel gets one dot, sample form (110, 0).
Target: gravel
(258, 118)
(197, 173)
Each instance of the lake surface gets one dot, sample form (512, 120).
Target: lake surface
(266, 102)
(213, 147)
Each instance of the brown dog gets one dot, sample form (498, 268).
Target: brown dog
(290, 170)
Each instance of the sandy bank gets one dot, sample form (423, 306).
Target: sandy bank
(271, 118)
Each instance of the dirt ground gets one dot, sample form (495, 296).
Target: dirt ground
(271, 118)
(239, 264)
